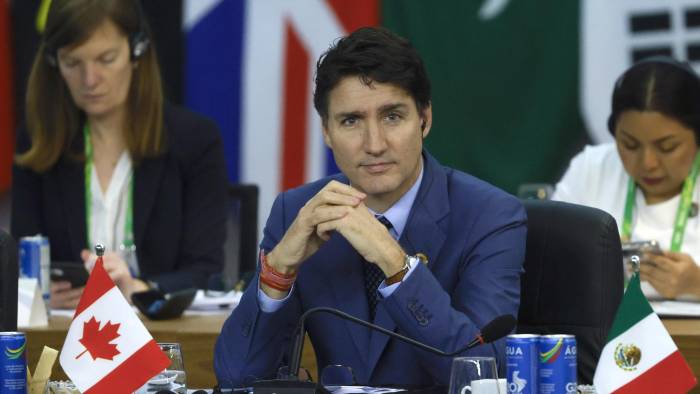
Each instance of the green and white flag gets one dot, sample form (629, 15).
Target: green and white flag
(640, 356)
(505, 84)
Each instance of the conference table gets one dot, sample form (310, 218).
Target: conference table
(197, 333)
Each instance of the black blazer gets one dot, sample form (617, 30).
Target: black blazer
(179, 204)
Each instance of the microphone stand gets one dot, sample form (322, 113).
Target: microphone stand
(298, 345)
(292, 384)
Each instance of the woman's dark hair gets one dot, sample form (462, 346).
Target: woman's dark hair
(53, 120)
(372, 54)
(659, 84)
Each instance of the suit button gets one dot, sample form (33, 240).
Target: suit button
(419, 312)
(245, 330)
(412, 305)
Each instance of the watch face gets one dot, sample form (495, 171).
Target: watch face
(411, 261)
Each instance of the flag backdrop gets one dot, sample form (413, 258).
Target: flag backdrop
(250, 66)
(7, 108)
(615, 34)
(505, 84)
(514, 81)
(505, 79)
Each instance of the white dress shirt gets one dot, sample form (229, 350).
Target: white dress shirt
(108, 208)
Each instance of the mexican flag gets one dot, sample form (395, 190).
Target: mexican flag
(640, 356)
(108, 349)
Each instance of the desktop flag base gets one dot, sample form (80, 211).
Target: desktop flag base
(640, 356)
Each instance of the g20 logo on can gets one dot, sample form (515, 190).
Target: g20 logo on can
(551, 355)
(571, 388)
(14, 354)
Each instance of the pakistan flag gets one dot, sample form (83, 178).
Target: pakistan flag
(505, 78)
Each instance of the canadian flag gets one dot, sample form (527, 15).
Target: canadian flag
(108, 349)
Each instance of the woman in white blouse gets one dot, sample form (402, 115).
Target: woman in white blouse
(647, 178)
(104, 160)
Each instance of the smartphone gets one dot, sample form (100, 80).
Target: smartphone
(69, 271)
(639, 249)
(158, 306)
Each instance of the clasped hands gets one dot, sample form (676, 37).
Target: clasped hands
(63, 296)
(340, 208)
(671, 273)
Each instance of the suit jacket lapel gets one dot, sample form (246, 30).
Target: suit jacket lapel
(422, 234)
(346, 279)
(425, 232)
(378, 340)
(72, 183)
(147, 176)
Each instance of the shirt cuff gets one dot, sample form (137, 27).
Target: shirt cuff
(269, 304)
(385, 291)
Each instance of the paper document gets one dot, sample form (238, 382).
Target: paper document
(205, 301)
(361, 390)
(676, 308)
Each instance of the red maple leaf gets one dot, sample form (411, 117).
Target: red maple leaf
(97, 341)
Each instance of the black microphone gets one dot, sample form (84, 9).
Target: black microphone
(495, 329)
(492, 331)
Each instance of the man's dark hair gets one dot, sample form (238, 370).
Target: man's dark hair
(372, 54)
(659, 84)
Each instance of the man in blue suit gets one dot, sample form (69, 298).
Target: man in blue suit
(444, 258)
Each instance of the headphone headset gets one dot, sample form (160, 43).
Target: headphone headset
(683, 66)
(138, 41)
(422, 125)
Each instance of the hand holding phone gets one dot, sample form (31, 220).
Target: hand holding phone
(639, 249)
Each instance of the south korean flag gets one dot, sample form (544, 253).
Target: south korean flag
(616, 34)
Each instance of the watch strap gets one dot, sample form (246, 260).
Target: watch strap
(398, 277)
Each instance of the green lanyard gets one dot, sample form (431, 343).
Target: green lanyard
(681, 214)
(128, 220)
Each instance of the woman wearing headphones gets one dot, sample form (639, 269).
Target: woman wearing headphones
(104, 160)
(647, 178)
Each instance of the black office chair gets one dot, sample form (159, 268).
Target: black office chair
(573, 280)
(8, 282)
(241, 245)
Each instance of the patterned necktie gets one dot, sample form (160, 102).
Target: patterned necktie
(374, 275)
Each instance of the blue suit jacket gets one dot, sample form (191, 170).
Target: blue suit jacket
(474, 237)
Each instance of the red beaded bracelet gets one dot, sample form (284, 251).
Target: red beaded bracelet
(273, 285)
(270, 277)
